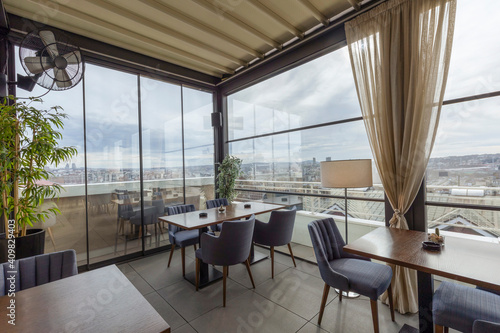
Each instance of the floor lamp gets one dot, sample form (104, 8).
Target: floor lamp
(346, 174)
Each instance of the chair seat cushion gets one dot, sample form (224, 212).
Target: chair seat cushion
(366, 278)
(457, 306)
(198, 253)
(186, 237)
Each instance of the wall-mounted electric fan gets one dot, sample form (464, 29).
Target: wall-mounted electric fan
(51, 62)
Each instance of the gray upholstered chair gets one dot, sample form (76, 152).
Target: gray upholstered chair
(214, 204)
(231, 247)
(345, 271)
(217, 203)
(37, 270)
(277, 232)
(459, 307)
(150, 218)
(180, 237)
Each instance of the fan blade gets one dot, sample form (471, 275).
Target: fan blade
(62, 78)
(49, 40)
(73, 58)
(37, 65)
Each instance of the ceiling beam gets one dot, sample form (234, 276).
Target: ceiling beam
(164, 30)
(218, 11)
(173, 12)
(130, 34)
(287, 25)
(354, 4)
(315, 12)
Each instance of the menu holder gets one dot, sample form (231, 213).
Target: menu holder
(203, 214)
(247, 206)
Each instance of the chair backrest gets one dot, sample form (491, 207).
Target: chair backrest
(174, 210)
(327, 242)
(160, 207)
(149, 216)
(279, 230)
(233, 244)
(217, 203)
(38, 270)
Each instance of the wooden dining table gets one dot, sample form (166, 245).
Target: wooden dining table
(193, 221)
(466, 260)
(102, 300)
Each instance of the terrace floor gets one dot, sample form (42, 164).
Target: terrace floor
(288, 303)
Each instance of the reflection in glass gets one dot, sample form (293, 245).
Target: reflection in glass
(198, 146)
(161, 150)
(113, 172)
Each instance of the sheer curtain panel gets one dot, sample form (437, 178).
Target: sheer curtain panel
(400, 54)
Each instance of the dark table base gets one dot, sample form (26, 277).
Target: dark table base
(211, 275)
(408, 329)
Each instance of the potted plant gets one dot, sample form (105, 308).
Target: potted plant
(229, 171)
(28, 143)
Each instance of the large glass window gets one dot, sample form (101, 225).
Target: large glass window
(68, 229)
(463, 175)
(313, 95)
(198, 146)
(119, 215)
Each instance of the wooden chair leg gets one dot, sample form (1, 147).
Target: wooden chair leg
(224, 277)
(374, 306)
(183, 254)
(197, 273)
(247, 263)
(391, 304)
(438, 329)
(171, 254)
(340, 295)
(272, 262)
(51, 237)
(326, 290)
(446, 329)
(291, 253)
(194, 247)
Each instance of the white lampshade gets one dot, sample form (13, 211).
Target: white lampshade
(346, 174)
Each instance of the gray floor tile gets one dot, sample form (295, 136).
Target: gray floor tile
(296, 291)
(138, 282)
(165, 310)
(261, 272)
(249, 312)
(191, 304)
(308, 268)
(311, 328)
(184, 329)
(354, 315)
(155, 271)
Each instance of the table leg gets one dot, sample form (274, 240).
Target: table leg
(255, 257)
(425, 292)
(208, 274)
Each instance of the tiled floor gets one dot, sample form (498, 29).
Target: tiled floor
(288, 303)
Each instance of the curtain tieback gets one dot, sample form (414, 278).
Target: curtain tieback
(396, 218)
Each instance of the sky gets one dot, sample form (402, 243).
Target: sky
(316, 92)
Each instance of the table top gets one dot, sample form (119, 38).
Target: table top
(235, 211)
(460, 259)
(102, 300)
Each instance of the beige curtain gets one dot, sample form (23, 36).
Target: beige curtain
(400, 54)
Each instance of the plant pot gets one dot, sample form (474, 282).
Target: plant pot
(30, 245)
